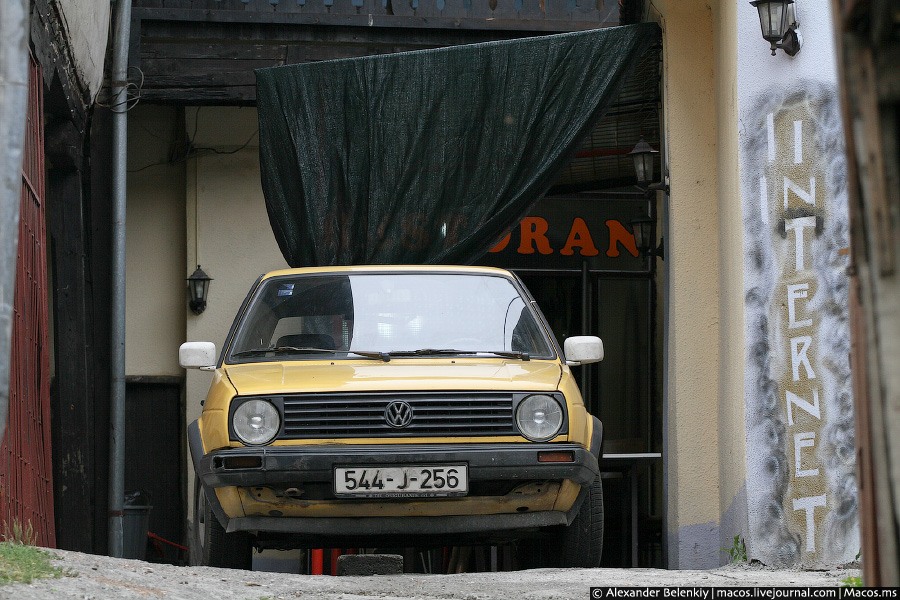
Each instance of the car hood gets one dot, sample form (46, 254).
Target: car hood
(398, 374)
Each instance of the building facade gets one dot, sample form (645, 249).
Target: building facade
(752, 405)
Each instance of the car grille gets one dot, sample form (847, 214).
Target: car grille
(364, 415)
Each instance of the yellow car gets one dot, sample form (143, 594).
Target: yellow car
(394, 406)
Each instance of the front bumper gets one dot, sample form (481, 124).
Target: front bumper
(300, 466)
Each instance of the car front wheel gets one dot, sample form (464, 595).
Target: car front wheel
(581, 543)
(578, 545)
(212, 546)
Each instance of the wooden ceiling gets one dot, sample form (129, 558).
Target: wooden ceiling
(205, 51)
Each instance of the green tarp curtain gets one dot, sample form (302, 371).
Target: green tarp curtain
(428, 156)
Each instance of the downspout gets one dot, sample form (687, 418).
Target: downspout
(119, 103)
(13, 108)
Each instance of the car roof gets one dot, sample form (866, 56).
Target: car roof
(465, 269)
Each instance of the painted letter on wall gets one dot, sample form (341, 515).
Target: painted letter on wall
(801, 482)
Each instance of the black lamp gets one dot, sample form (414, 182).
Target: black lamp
(642, 228)
(198, 286)
(644, 157)
(779, 25)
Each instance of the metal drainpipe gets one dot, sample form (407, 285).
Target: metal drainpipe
(13, 108)
(119, 104)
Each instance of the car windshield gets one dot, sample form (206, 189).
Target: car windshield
(387, 315)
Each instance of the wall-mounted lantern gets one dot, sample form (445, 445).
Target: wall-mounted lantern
(642, 227)
(198, 286)
(778, 20)
(644, 157)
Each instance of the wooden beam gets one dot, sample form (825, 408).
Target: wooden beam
(221, 35)
(47, 38)
(190, 96)
(338, 15)
(72, 403)
(870, 106)
(98, 216)
(195, 63)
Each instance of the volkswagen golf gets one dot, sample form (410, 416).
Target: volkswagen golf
(387, 405)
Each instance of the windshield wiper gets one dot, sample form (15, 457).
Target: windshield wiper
(385, 356)
(506, 354)
(281, 350)
(455, 352)
(429, 352)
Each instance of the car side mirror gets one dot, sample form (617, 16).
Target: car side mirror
(197, 355)
(583, 349)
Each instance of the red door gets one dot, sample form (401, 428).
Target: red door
(26, 486)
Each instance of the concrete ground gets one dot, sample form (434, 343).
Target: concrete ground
(91, 577)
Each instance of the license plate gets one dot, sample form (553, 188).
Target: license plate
(401, 482)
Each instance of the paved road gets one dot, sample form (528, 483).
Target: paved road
(93, 577)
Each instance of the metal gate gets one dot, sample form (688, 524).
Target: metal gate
(26, 487)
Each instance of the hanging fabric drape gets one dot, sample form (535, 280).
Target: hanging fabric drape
(428, 156)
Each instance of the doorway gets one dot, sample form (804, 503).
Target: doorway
(623, 392)
(577, 256)
(154, 463)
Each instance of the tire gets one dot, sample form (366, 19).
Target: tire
(578, 545)
(212, 546)
(581, 543)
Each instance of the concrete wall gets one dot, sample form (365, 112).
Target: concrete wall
(801, 482)
(693, 287)
(732, 447)
(155, 242)
(193, 198)
(87, 26)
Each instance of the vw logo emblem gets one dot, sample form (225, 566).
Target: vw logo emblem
(398, 414)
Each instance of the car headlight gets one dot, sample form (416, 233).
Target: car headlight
(539, 417)
(256, 422)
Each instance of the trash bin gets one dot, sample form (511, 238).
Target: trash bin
(135, 524)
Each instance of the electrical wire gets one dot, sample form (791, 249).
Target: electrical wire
(192, 151)
(133, 93)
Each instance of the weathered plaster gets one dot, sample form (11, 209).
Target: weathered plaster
(86, 25)
(802, 501)
(797, 339)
